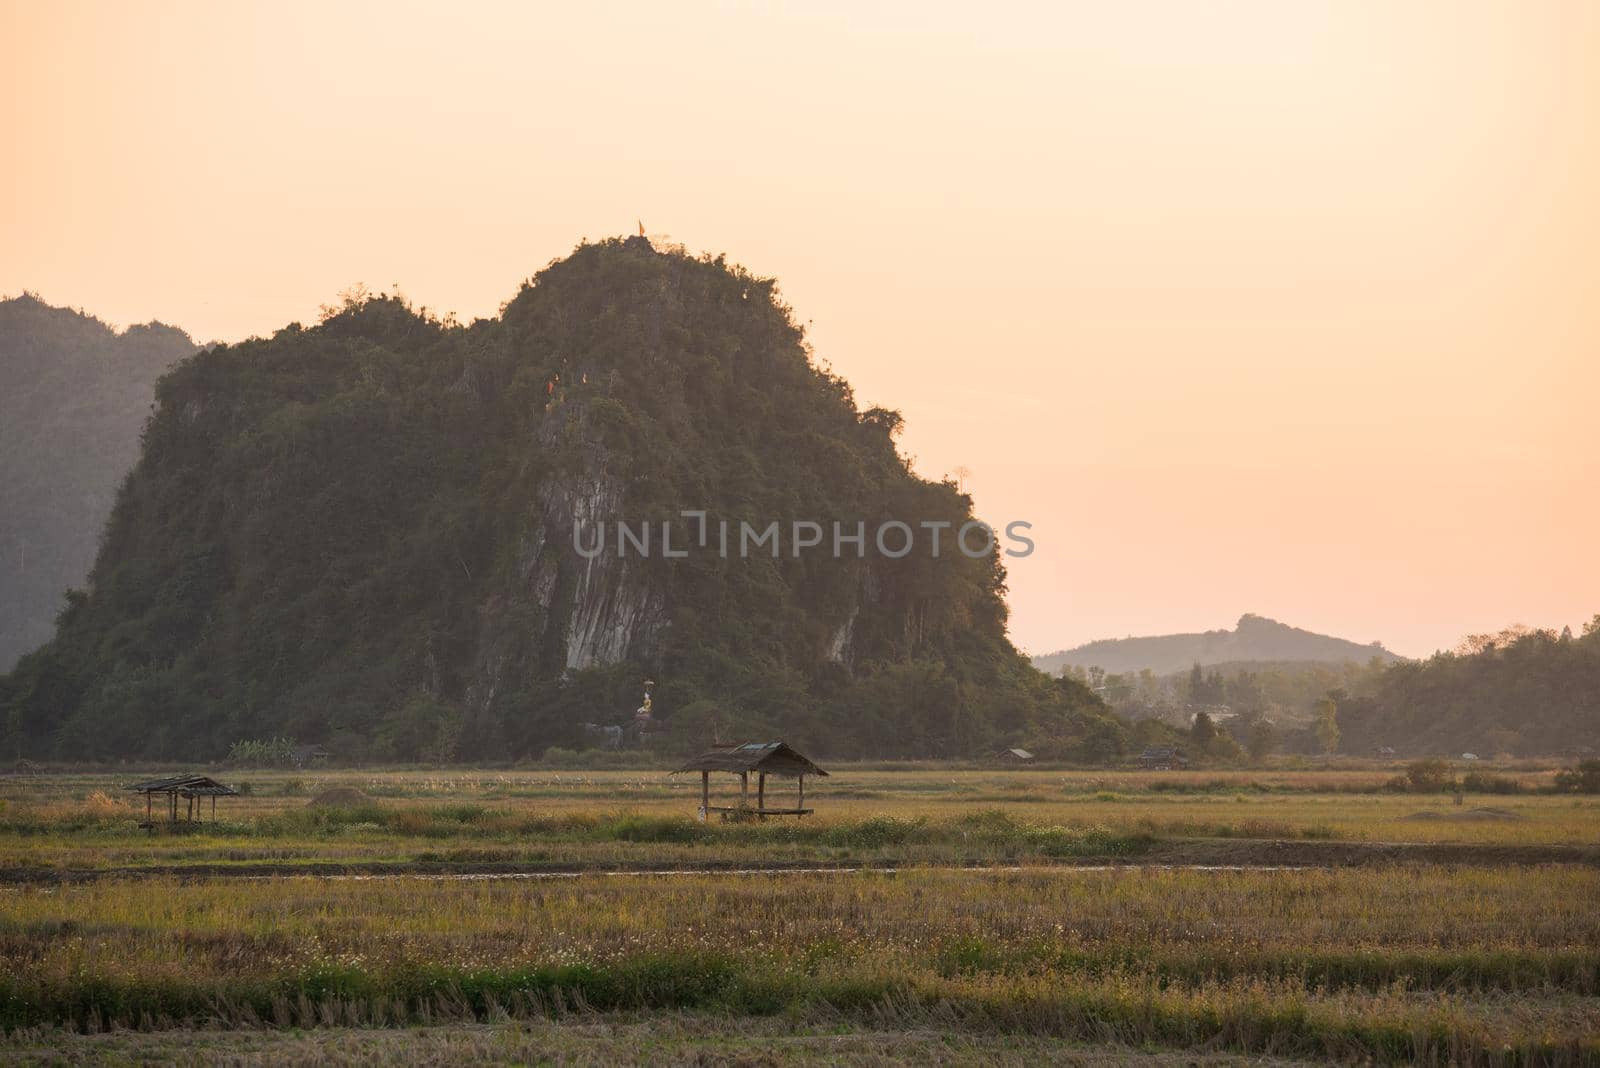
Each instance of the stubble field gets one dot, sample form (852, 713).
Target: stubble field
(1023, 914)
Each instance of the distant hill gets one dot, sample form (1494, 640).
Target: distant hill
(1256, 640)
(74, 394)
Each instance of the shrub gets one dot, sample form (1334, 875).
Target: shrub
(100, 805)
(1430, 776)
(254, 753)
(1487, 782)
(637, 828)
(1583, 779)
(873, 832)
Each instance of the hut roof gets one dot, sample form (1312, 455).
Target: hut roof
(770, 758)
(187, 785)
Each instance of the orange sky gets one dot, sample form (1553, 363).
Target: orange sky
(1275, 306)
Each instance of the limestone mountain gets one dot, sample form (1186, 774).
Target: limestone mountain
(73, 396)
(361, 533)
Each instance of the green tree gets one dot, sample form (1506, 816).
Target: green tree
(1583, 779)
(423, 729)
(1428, 777)
(1262, 738)
(1327, 725)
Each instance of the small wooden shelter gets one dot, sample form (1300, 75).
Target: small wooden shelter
(190, 787)
(762, 758)
(1162, 758)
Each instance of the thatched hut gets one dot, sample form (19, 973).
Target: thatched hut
(762, 759)
(190, 787)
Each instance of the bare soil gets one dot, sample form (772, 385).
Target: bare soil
(1221, 853)
(1471, 815)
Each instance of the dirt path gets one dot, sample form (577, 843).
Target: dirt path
(1322, 854)
(1197, 854)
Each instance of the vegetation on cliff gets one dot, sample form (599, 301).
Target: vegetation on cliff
(361, 533)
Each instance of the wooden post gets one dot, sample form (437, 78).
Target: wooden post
(705, 794)
(802, 803)
(213, 808)
(148, 818)
(761, 791)
(744, 789)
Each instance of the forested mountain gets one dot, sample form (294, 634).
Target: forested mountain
(1287, 692)
(1256, 639)
(73, 395)
(362, 533)
(1522, 692)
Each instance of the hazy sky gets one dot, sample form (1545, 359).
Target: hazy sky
(1276, 306)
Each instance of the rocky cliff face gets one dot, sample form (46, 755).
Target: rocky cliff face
(614, 611)
(339, 530)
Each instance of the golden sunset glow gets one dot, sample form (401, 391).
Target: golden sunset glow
(1288, 308)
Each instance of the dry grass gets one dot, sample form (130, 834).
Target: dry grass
(562, 818)
(1476, 966)
(592, 1040)
(1464, 965)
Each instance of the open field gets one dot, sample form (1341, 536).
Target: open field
(1467, 964)
(556, 820)
(1419, 929)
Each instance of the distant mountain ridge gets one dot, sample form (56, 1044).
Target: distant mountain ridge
(74, 393)
(1254, 639)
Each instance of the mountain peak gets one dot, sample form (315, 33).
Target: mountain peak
(1255, 638)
